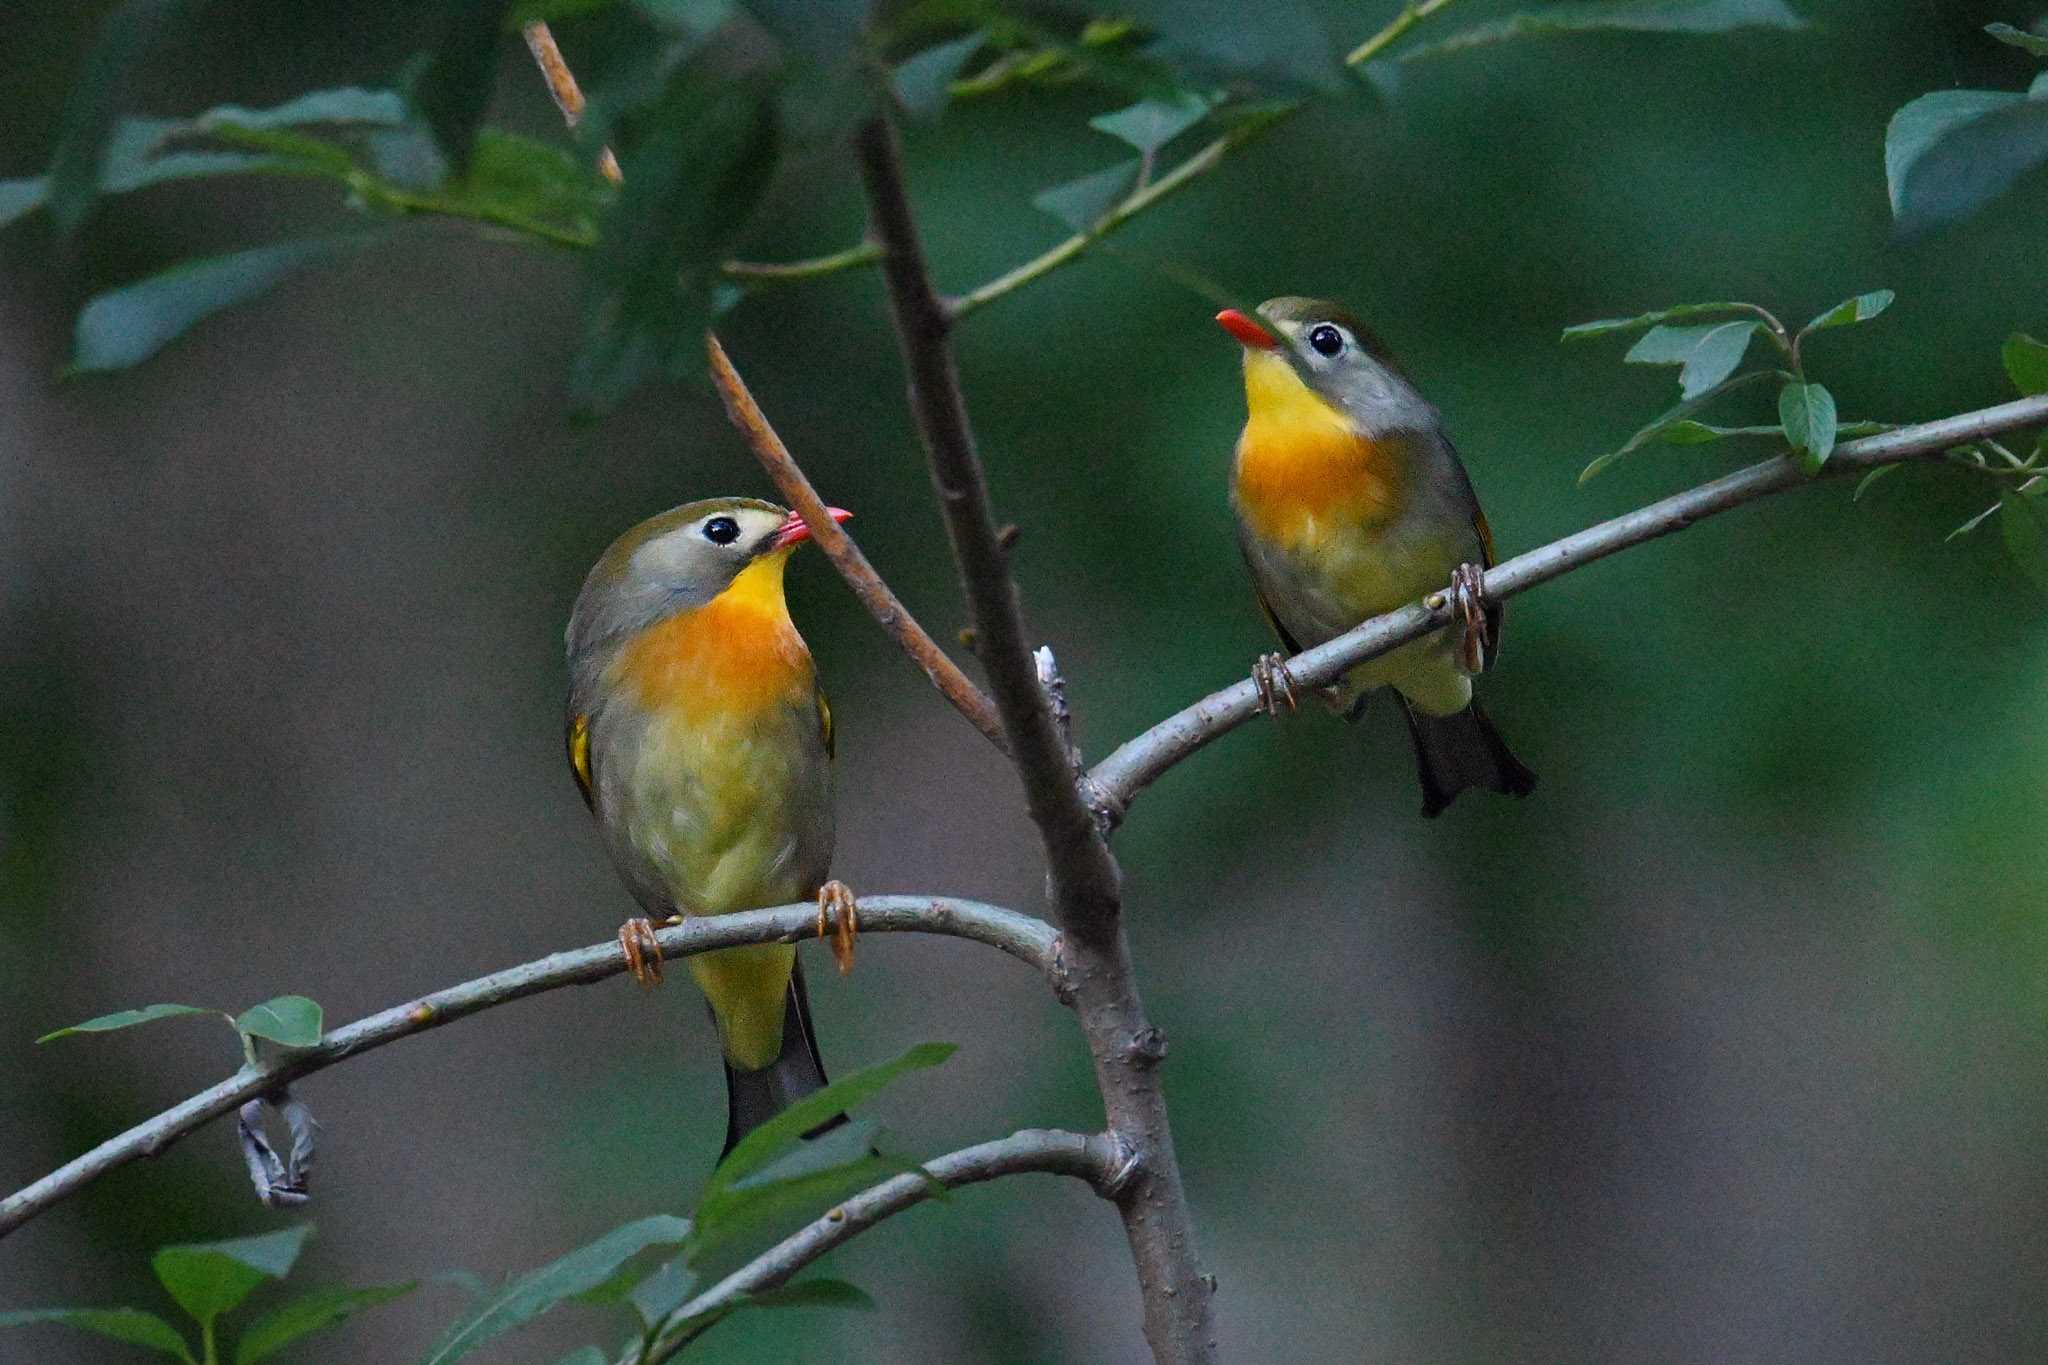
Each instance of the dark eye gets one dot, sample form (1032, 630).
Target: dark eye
(1326, 339)
(721, 530)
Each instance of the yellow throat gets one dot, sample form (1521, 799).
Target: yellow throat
(739, 653)
(1302, 466)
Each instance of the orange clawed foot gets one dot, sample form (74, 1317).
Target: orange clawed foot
(643, 949)
(1274, 682)
(837, 919)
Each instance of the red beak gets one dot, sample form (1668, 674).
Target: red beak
(1247, 331)
(795, 531)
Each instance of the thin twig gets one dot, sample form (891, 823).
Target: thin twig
(1028, 940)
(540, 41)
(1046, 1150)
(1082, 875)
(853, 566)
(1139, 762)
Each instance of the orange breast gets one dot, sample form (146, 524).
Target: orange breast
(1302, 467)
(738, 654)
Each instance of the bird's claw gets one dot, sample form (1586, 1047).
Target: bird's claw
(1274, 683)
(1467, 600)
(642, 950)
(837, 919)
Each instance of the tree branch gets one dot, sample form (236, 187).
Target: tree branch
(1083, 877)
(1029, 940)
(846, 556)
(1139, 762)
(1093, 1159)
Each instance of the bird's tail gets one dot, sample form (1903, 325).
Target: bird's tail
(754, 1097)
(1459, 751)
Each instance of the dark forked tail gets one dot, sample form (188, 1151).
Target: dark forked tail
(754, 1097)
(1460, 751)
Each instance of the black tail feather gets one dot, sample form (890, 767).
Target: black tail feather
(754, 1097)
(1459, 751)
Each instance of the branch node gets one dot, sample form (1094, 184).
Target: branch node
(1122, 1170)
(1146, 1047)
(1057, 974)
(1007, 536)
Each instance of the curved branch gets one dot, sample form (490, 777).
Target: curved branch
(1051, 1151)
(1139, 762)
(1028, 940)
(846, 556)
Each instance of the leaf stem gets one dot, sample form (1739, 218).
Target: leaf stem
(1410, 15)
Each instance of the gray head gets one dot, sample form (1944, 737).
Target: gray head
(679, 559)
(1334, 354)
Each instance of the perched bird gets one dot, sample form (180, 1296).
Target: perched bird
(700, 741)
(1350, 501)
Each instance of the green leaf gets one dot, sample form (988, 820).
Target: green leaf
(696, 164)
(824, 33)
(1611, 326)
(131, 324)
(1869, 481)
(814, 1293)
(664, 1291)
(453, 87)
(344, 104)
(923, 83)
(1691, 433)
(1949, 153)
(107, 1023)
(526, 1298)
(131, 1325)
(90, 108)
(1633, 16)
(1666, 420)
(1083, 204)
(210, 1278)
(1807, 412)
(2019, 520)
(1150, 124)
(1285, 44)
(785, 1130)
(21, 197)
(1706, 353)
(290, 1020)
(2019, 38)
(1862, 308)
(530, 186)
(735, 1223)
(278, 1328)
(2026, 361)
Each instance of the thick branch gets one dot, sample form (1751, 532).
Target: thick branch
(846, 556)
(1093, 1159)
(1117, 779)
(1083, 876)
(1028, 940)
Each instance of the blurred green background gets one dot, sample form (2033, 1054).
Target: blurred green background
(1728, 1044)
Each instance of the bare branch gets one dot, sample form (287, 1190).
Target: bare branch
(853, 566)
(1139, 762)
(540, 41)
(1029, 940)
(1093, 1159)
(1083, 876)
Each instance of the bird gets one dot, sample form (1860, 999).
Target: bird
(700, 740)
(1350, 501)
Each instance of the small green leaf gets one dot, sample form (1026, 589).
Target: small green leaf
(814, 1293)
(2026, 361)
(107, 1023)
(343, 104)
(1286, 44)
(453, 86)
(1083, 204)
(131, 1325)
(290, 1020)
(1637, 16)
(2019, 38)
(211, 1278)
(735, 1223)
(131, 324)
(785, 1130)
(1707, 353)
(93, 102)
(278, 1328)
(2019, 519)
(528, 1297)
(1611, 326)
(1862, 308)
(21, 197)
(1869, 481)
(1691, 433)
(1949, 153)
(1808, 414)
(1150, 124)
(1667, 420)
(923, 83)
(664, 1291)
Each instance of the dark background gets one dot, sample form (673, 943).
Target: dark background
(1726, 1045)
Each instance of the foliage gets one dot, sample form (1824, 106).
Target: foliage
(288, 1020)
(1950, 153)
(210, 1279)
